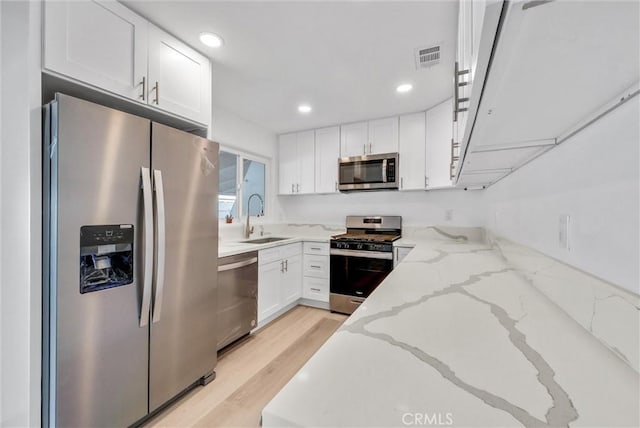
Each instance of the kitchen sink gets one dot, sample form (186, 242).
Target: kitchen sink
(264, 240)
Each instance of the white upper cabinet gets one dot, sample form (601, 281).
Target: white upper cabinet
(306, 162)
(412, 151)
(354, 139)
(477, 27)
(551, 73)
(383, 135)
(101, 43)
(179, 77)
(438, 148)
(288, 163)
(327, 154)
(106, 45)
(296, 163)
(367, 138)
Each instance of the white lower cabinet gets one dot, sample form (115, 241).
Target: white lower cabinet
(315, 284)
(292, 280)
(279, 279)
(285, 275)
(269, 279)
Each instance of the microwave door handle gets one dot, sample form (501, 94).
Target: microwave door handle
(384, 170)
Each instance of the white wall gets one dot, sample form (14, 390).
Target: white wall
(594, 178)
(20, 214)
(416, 208)
(232, 131)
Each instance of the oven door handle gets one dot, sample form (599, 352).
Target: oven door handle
(363, 254)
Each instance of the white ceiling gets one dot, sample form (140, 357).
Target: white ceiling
(343, 58)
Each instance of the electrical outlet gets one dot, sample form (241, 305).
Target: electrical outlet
(448, 215)
(564, 226)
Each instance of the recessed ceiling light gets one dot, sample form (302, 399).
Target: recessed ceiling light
(405, 87)
(304, 108)
(211, 40)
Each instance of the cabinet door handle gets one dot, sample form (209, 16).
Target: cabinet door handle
(156, 88)
(315, 248)
(456, 94)
(293, 188)
(144, 88)
(315, 289)
(336, 186)
(316, 266)
(298, 188)
(282, 266)
(426, 181)
(370, 148)
(286, 265)
(364, 149)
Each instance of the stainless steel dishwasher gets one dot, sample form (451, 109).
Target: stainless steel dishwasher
(237, 296)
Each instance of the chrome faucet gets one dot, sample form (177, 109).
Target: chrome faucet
(248, 230)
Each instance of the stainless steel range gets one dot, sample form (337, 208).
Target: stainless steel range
(361, 259)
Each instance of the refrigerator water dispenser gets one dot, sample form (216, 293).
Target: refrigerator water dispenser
(106, 257)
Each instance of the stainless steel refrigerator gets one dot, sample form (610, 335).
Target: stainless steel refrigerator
(130, 274)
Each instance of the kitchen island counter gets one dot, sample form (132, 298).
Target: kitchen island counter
(455, 337)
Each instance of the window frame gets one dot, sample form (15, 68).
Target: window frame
(241, 156)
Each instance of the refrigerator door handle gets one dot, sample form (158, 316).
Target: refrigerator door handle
(148, 245)
(161, 242)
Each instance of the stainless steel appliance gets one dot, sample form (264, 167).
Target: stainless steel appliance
(361, 259)
(369, 172)
(130, 272)
(237, 296)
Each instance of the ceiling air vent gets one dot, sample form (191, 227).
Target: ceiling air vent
(427, 57)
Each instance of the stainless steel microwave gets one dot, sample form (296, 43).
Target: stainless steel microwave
(369, 172)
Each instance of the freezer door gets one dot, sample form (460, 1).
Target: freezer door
(183, 328)
(98, 351)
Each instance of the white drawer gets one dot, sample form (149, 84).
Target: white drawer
(316, 266)
(315, 289)
(269, 255)
(290, 250)
(319, 248)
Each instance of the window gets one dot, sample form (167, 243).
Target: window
(251, 174)
(228, 191)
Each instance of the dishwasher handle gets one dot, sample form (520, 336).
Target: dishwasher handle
(236, 265)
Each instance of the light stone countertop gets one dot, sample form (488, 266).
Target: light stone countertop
(233, 248)
(293, 232)
(456, 336)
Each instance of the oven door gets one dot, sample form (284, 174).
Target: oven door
(358, 273)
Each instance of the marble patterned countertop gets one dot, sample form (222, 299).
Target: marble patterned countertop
(456, 337)
(292, 232)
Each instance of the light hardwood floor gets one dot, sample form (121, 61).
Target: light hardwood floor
(250, 373)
